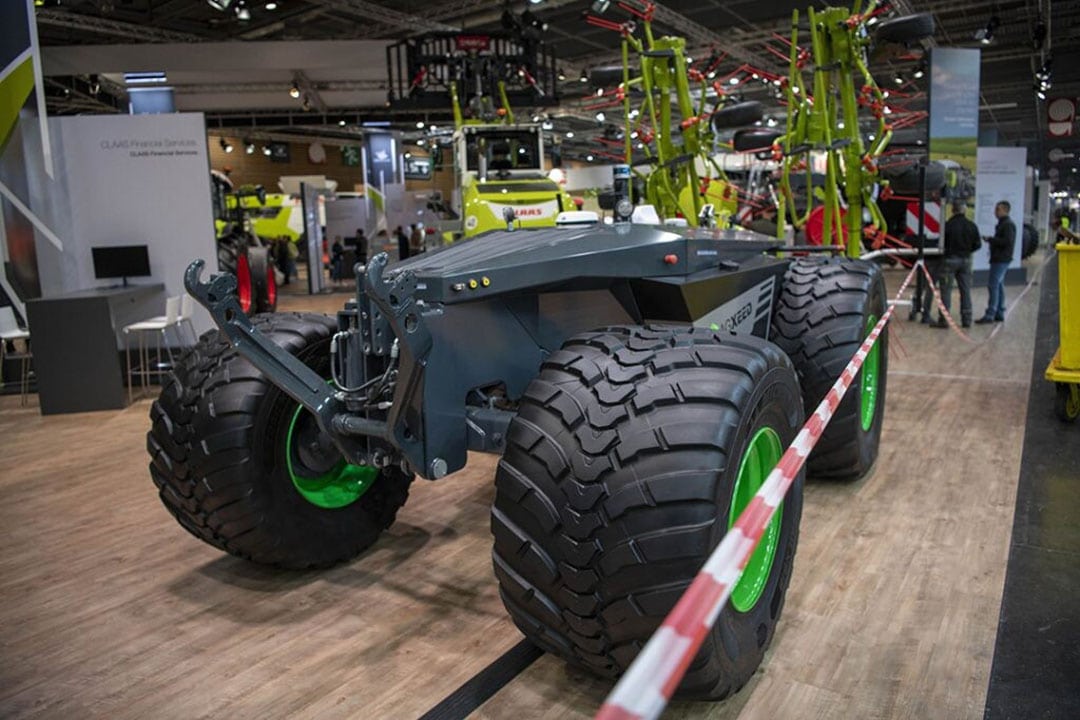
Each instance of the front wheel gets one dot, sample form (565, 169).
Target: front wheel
(630, 457)
(1067, 401)
(242, 467)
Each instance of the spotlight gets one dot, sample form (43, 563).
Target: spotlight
(249, 147)
(734, 81)
(225, 145)
(898, 79)
(600, 117)
(294, 90)
(1040, 92)
(985, 35)
(421, 142)
(569, 134)
(419, 124)
(589, 158)
(771, 122)
(560, 74)
(584, 76)
(547, 125)
(242, 13)
(305, 104)
(1045, 70)
(408, 155)
(271, 6)
(341, 123)
(266, 150)
(920, 70)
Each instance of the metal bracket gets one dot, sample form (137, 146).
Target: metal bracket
(296, 379)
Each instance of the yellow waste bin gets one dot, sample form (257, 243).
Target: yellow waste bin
(1064, 369)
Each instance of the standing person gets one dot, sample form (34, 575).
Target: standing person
(416, 239)
(361, 246)
(402, 243)
(1001, 252)
(961, 239)
(292, 252)
(281, 257)
(337, 260)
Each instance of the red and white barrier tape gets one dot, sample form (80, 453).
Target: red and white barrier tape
(941, 306)
(645, 689)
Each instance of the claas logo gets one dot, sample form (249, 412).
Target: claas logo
(529, 212)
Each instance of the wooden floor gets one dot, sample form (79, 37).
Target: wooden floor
(109, 609)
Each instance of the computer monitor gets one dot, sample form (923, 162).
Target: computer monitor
(121, 261)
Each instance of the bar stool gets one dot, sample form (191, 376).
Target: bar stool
(158, 329)
(187, 311)
(10, 332)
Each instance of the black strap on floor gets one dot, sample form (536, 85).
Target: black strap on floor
(480, 687)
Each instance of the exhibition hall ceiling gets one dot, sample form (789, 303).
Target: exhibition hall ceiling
(348, 78)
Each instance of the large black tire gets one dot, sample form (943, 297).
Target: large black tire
(754, 139)
(617, 483)
(737, 115)
(904, 178)
(256, 284)
(820, 321)
(217, 445)
(263, 281)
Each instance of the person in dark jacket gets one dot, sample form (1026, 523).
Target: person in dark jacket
(402, 243)
(961, 239)
(1001, 252)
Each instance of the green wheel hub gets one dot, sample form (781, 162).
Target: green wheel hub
(868, 386)
(761, 455)
(317, 470)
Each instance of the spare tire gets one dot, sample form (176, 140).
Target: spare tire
(755, 139)
(905, 30)
(737, 115)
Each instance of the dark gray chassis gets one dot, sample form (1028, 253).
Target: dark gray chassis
(485, 313)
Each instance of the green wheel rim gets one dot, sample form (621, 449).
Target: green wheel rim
(868, 395)
(338, 486)
(760, 457)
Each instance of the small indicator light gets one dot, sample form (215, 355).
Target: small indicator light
(473, 284)
(671, 259)
(485, 281)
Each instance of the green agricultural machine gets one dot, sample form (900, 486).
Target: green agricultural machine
(499, 163)
(239, 250)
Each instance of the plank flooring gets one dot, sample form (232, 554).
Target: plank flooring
(109, 609)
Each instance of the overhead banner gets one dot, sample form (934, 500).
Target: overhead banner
(954, 118)
(1002, 173)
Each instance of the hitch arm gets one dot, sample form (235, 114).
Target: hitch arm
(296, 379)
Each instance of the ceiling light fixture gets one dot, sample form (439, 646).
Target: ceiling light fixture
(985, 35)
(294, 90)
(600, 116)
(266, 150)
(225, 145)
(589, 158)
(569, 134)
(271, 6)
(584, 76)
